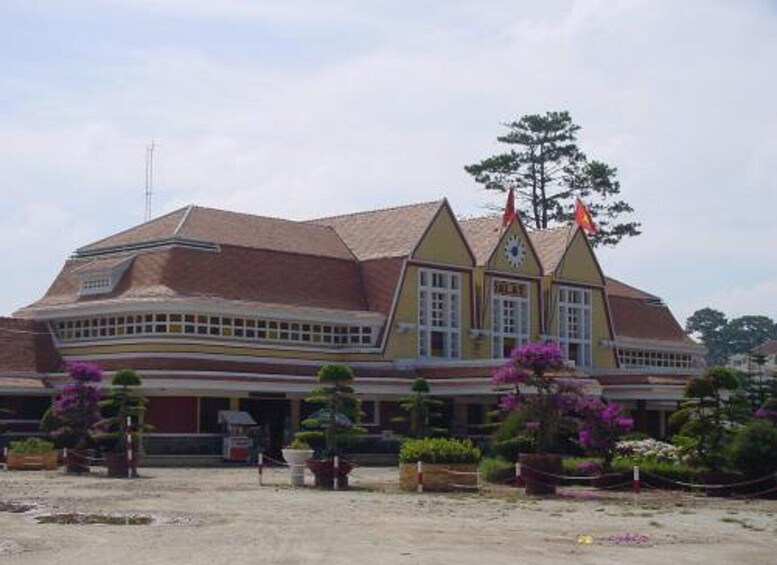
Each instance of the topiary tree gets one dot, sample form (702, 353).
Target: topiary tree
(707, 416)
(121, 403)
(339, 414)
(754, 449)
(421, 410)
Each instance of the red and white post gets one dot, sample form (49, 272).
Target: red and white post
(129, 447)
(420, 476)
(260, 465)
(635, 481)
(336, 471)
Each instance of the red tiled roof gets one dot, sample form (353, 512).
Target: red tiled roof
(381, 279)
(26, 347)
(615, 287)
(393, 232)
(640, 319)
(233, 273)
(222, 227)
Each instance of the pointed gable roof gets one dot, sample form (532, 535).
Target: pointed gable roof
(483, 235)
(551, 244)
(391, 232)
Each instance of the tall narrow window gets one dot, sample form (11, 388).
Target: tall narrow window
(574, 319)
(439, 302)
(510, 317)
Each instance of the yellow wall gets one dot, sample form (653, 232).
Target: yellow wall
(579, 264)
(498, 260)
(443, 242)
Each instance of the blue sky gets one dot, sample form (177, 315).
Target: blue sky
(302, 109)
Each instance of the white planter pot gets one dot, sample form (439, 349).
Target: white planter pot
(296, 459)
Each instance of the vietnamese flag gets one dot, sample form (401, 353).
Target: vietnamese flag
(583, 218)
(509, 213)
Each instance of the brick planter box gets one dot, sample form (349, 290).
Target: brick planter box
(439, 476)
(32, 461)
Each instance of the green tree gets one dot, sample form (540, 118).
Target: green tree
(548, 171)
(710, 327)
(421, 410)
(706, 416)
(340, 412)
(747, 332)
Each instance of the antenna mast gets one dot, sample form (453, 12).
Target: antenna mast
(149, 178)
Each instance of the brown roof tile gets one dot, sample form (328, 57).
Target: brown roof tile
(768, 348)
(162, 227)
(551, 244)
(233, 273)
(222, 227)
(483, 235)
(393, 232)
(381, 279)
(26, 347)
(615, 287)
(644, 319)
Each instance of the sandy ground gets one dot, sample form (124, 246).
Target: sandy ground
(224, 516)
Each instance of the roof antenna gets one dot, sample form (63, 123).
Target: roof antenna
(149, 178)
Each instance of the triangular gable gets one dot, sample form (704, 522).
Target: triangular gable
(530, 263)
(443, 241)
(579, 263)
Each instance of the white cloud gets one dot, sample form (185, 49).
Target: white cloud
(679, 97)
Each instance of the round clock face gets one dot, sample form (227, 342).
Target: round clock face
(515, 251)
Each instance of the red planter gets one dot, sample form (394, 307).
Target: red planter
(77, 461)
(539, 472)
(324, 472)
(116, 464)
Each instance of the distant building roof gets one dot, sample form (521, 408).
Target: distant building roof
(767, 348)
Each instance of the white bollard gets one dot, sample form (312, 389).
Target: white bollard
(420, 476)
(635, 482)
(336, 478)
(129, 447)
(261, 468)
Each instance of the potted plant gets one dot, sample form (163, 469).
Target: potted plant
(119, 408)
(546, 407)
(447, 463)
(337, 419)
(296, 455)
(32, 454)
(74, 413)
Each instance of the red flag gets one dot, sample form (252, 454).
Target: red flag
(509, 213)
(583, 218)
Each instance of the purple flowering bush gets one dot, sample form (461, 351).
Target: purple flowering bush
(548, 409)
(602, 426)
(76, 409)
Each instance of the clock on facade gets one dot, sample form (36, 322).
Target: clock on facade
(515, 252)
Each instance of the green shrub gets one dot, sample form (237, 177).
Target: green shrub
(671, 471)
(754, 449)
(297, 443)
(510, 448)
(31, 445)
(438, 450)
(496, 469)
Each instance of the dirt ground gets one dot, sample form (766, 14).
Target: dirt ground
(224, 516)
